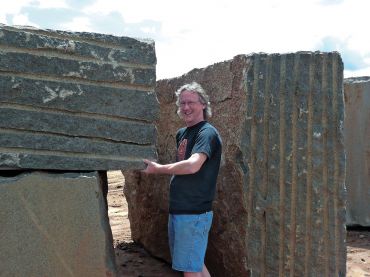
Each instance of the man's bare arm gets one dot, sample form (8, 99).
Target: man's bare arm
(189, 166)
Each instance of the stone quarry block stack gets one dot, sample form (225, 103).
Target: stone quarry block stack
(75, 100)
(357, 145)
(280, 205)
(80, 102)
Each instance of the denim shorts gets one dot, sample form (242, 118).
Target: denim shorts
(188, 238)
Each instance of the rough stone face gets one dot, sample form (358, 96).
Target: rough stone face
(279, 208)
(357, 145)
(54, 225)
(75, 101)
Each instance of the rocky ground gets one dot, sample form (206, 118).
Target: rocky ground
(133, 261)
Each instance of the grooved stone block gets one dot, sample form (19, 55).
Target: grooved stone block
(357, 145)
(54, 225)
(280, 207)
(75, 101)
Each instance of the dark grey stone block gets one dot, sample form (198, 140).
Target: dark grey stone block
(75, 97)
(87, 45)
(56, 122)
(55, 225)
(85, 99)
(57, 67)
(357, 145)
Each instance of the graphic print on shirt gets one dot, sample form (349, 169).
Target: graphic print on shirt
(182, 150)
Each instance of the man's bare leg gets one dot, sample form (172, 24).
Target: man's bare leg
(204, 273)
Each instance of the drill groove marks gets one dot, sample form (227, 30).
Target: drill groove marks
(295, 194)
(84, 101)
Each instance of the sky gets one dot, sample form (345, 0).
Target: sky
(192, 34)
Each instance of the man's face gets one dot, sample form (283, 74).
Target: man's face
(191, 109)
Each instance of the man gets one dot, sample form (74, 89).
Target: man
(193, 183)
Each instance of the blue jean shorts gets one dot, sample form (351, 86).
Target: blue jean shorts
(188, 238)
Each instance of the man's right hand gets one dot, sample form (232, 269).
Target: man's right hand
(151, 167)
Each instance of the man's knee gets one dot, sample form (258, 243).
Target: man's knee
(192, 274)
(204, 273)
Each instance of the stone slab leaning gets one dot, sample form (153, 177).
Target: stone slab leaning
(75, 101)
(54, 225)
(280, 204)
(357, 144)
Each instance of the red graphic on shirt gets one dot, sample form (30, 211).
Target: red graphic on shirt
(182, 150)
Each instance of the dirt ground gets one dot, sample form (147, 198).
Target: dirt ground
(133, 261)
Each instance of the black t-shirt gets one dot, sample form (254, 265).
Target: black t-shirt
(194, 193)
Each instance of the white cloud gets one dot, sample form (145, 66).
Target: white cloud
(22, 19)
(14, 7)
(148, 30)
(11, 8)
(330, 2)
(133, 11)
(357, 73)
(78, 24)
(55, 4)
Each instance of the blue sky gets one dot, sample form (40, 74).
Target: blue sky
(197, 33)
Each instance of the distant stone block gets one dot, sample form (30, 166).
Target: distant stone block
(75, 101)
(280, 205)
(54, 225)
(357, 145)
